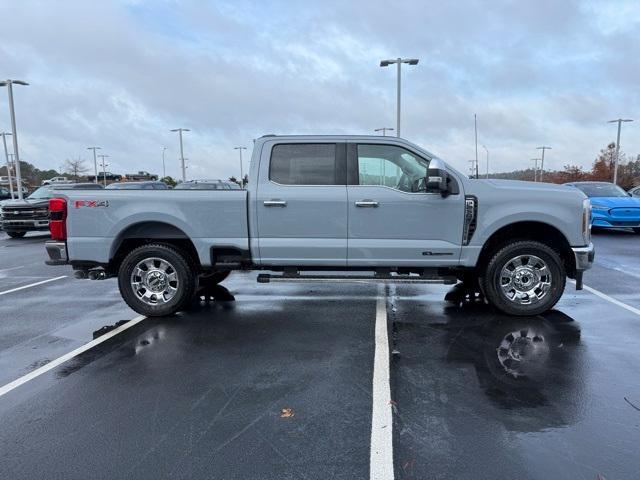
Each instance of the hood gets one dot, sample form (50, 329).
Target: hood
(612, 202)
(25, 203)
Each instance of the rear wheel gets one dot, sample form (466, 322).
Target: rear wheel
(524, 278)
(16, 234)
(156, 280)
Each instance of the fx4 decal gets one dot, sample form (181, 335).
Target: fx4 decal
(91, 203)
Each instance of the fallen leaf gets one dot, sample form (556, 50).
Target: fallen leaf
(286, 413)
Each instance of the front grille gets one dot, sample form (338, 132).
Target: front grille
(22, 213)
(622, 212)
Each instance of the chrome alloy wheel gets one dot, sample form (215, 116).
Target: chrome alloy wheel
(154, 281)
(525, 279)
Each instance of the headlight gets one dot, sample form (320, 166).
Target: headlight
(586, 220)
(601, 208)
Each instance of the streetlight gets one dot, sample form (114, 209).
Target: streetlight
(95, 162)
(615, 165)
(543, 148)
(399, 61)
(384, 130)
(184, 171)
(104, 165)
(487, 150)
(6, 154)
(241, 172)
(9, 84)
(164, 172)
(535, 169)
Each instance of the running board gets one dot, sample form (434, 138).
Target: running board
(268, 278)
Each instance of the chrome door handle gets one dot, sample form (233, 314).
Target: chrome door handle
(367, 203)
(275, 203)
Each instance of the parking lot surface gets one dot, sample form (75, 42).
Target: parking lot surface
(277, 380)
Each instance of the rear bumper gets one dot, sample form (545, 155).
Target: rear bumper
(57, 252)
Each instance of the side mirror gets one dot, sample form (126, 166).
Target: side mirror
(437, 177)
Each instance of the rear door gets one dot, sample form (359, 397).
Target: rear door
(301, 204)
(391, 221)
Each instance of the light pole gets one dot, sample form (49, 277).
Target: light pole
(95, 162)
(384, 130)
(487, 150)
(472, 167)
(164, 172)
(6, 154)
(9, 84)
(241, 171)
(104, 166)
(475, 128)
(184, 170)
(399, 61)
(543, 148)
(535, 169)
(615, 165)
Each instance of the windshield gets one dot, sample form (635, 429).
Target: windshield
(125, 186)
(601, 190)
(42, 193)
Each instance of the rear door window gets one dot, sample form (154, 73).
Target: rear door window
(304, 164)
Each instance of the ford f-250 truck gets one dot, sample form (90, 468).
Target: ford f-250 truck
(354, 206)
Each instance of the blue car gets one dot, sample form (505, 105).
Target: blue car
(612, 206)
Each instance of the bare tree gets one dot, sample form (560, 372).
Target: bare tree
(75, 167)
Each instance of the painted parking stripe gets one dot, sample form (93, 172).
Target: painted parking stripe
(64, 358)
(381, 453)
(606, 297)
(32, 285)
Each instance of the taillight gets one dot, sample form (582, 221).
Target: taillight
(58, 218)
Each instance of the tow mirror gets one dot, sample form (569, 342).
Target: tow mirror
(437, 177)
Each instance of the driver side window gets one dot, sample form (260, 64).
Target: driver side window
(391, 166)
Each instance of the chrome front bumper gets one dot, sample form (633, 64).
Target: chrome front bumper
(584, 259)
(57, 252)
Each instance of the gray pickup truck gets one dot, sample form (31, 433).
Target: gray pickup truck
(331, 208)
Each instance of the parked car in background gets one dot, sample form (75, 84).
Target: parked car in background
(4, 193)
(207, 185)
(111, 177)
(57, 180)
(141, 175)
(612, 207)
(635, 192)
(138, 186)
(17, 217)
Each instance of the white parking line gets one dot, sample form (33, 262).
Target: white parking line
(381, 453)
(32, 285)
(74, 353)
(606, 297)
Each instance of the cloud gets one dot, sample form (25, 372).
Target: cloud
(122, 74)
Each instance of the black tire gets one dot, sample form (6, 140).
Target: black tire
(556, 277)
(184, 283)
(16, 234)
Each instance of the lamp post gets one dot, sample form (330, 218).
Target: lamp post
(399, 61)
(184, 170)
(104, 166)
(9, 84)
(241, 171)
(543, 148)
(164, 172)
(535, 169)
(619, 121)
(384, 130)
(6, 154)
(95, 162)
(487, 150)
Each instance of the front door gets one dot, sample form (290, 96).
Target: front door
(391, 221)
(302, 204)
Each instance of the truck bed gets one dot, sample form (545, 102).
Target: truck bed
(97, 218)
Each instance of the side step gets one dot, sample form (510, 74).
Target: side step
(377, 278)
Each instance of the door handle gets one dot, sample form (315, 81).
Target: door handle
(275, 203)
(367, 204)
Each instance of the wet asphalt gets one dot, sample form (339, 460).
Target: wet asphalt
(475, 394)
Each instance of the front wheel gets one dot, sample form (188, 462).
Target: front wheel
(156, 280)
(16, 234)
(524, 278)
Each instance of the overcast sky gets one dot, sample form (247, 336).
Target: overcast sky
(120, 74)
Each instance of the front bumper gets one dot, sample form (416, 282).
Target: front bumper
(605, 220)
(584, 257)
(57, 252)
(24, 225)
